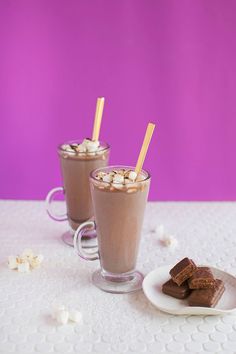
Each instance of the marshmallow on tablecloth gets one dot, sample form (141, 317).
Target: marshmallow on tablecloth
(166, 239)
(25, 262)
(62, 315)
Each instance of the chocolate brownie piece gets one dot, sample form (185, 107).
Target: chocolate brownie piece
(172, 289)
(202, 279)
(207, 297)
(183, 270)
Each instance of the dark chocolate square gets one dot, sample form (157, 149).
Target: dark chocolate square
(207, 297)
(202, 279)
(172, 289)
(183, 270)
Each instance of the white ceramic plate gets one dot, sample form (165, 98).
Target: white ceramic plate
(152, 285)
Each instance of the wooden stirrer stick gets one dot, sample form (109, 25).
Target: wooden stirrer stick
(144, 149)
(98, 118)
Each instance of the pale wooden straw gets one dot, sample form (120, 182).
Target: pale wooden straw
(98, 118)
(144, 149)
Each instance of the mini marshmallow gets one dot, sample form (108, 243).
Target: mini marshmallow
(91, 143)
(23, 267)
(95, 143)
(169, 241)
(159, 230)
(117, 186)
(91, 148)
(107, 178)
(40, 257)
(88, 145)
(75, 316)
(36, 261)
(131, 190)
(12, 262)
(67, 148)
(62, 316)
(86, 141)
(81, 148)
(132, 176)
(100, 175)
(56, 309)
(118, 179)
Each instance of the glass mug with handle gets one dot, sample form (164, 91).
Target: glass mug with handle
(76, 166)
(119, 211)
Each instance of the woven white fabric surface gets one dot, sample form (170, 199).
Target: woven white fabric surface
(206, 232)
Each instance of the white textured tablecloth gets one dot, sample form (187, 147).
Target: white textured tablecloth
(128, 323)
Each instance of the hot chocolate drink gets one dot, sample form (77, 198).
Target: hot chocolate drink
(119, 200)
(77, 161)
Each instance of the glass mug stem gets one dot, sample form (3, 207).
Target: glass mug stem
(82, 229)
(49, 200)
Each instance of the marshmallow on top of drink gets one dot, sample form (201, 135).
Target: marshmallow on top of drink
(87, 146)
(122, 179)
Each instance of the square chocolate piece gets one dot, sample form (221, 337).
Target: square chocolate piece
(172, 289)
(202, 279)
(183, 270)
(207, 297)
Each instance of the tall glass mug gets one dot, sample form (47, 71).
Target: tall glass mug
(76, 167)
(119, 212)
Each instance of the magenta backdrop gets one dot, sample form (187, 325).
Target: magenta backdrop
(170, 62)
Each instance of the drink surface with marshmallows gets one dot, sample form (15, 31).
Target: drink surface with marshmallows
(119, 199)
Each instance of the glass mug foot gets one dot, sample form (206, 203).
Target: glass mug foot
(118, 283)
(121, 284)
(88, 241)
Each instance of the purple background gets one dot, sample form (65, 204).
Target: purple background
(171, 62)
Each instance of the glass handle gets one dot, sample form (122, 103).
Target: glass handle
(49, 200)
(88, 256)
